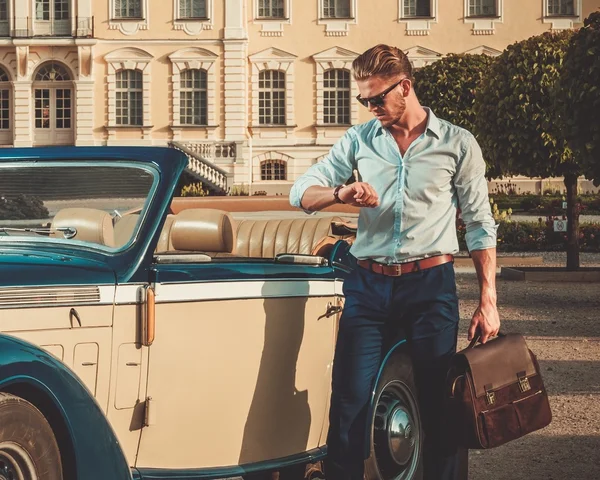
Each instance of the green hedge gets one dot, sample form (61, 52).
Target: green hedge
(538, 236)
(545, 204)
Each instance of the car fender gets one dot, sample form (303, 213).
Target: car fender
(97, 454)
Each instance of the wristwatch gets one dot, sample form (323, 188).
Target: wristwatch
(336, 193)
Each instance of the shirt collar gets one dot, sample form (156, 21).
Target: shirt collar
(433, 124)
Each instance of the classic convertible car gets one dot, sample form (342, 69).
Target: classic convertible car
(148, 337)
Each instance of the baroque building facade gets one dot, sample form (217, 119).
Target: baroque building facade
(254, 91)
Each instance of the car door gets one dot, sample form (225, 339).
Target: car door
(240, 363)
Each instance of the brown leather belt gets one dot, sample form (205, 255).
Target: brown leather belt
(397, 269)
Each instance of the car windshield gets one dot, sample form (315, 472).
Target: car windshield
(93, 205)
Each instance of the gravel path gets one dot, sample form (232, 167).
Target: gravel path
(561, 324)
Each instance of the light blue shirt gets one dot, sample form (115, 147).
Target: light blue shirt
(419, 193)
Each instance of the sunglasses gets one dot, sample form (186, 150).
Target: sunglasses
(378, 100)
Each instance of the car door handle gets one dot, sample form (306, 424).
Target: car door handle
(331, 310)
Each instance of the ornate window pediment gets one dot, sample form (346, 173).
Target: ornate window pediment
(421, 56)
(340, 59)
(131, 59)
(484, 50)
(193, 59)
(273, 59)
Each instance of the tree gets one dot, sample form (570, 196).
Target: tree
(580, 96)
(517, 120)
(448, 86)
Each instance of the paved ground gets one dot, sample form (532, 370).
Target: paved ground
(561, 324)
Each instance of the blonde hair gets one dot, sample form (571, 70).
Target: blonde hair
(381, 60)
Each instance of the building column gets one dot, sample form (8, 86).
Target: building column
(235, 56)
(23, 114)
(84, 108)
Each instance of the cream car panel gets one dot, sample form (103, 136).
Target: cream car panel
(238, 381)
(54, 317)
(128, 382)
(86, 351)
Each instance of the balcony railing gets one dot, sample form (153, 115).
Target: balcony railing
(29, 27)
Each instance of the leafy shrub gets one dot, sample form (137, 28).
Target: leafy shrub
(194, 190)
(22, 207)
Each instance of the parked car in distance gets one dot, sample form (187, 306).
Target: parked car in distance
(150, 338)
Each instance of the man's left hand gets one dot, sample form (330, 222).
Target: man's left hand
(485, 320)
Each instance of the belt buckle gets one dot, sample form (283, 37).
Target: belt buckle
(397, 270)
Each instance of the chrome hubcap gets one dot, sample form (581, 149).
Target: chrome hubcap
(15, 463)
(396, 432)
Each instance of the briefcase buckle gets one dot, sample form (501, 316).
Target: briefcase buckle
(524, 385)
(490, 398)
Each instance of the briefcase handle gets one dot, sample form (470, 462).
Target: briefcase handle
(477, 337)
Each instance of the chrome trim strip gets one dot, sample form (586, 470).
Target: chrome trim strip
(187, 292)
(14, 297)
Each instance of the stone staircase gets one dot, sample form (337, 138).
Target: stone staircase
(200, 162)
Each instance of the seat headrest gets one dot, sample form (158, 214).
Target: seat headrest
(203, 230)
(94, 226)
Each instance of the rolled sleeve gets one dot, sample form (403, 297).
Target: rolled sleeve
(473, 199)
(335, 169)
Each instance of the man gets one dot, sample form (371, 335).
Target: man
(415, 172)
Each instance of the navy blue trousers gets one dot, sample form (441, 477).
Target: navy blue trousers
(424, 306)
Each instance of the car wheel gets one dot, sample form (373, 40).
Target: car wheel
(396, 432)
(28, 449)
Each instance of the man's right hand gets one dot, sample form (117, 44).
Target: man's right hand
(359, 194)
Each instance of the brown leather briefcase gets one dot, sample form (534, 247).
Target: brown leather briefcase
(495, 393)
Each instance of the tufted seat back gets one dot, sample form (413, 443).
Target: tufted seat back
(92, 225)
(268, 238)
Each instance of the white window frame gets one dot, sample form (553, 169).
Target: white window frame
(562, 22)
(193, 26)
(138, 108)
(6, 85)
(273, 102)
(128, 26)
(270, 156)
(337, 102)
(273, 162)
(418, 26)
(484, 25)
(129, 58)
(273, 27)
(6, 25)
(274, 59)
(333, 58)
(200, 59)
(337, 27)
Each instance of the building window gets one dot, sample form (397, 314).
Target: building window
(561, 8)
(482, 8)
(3, 10)
(4, 100)
(271, 97)
(273, 170)
(336, 9)
(191, 9)
(58, 8)
(52, 72)
(271, 9)
(128, 8)
(336, 97)
(416, 8)
(194, 97)
(129, 98)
